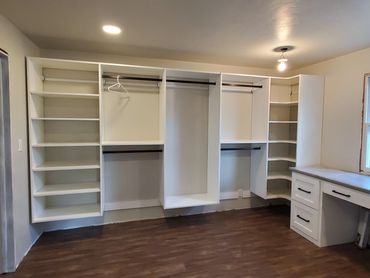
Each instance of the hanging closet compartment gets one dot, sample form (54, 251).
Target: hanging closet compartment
(244, 109)
(192, 146)
(64, 124)
(133, 176)
(134, 112)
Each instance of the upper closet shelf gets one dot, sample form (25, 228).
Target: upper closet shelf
(226, 141)
(283, 122)
(53, 79)
(283, 141)
(72, 144)
(64, 119)
(65, 95)
(132, 143)
(284, 103)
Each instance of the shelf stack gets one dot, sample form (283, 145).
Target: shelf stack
(65, 151)
(283, 121)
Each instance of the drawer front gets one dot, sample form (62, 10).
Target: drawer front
(350, 195)
(305, 219)
(306, 190)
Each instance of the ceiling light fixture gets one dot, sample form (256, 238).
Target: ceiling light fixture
(282, 61)
(111, 29)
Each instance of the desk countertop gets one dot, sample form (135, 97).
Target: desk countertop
(352, 180)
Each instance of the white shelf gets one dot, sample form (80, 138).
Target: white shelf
(72, 212)
(71, 80)
(132, 143)
(66, 189)
(290, 159)
(284, 103)
(65, 95)
(283, 122)
(229, 141)
(60, 166)
(285, 196)
(279, 176)
(72, 144)
(190, 200)
(282, 141)
(64, 119)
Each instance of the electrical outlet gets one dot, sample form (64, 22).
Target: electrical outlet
(20, 145)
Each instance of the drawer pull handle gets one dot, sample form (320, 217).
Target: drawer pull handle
(345, 195)
(305, 220)
(305, 191)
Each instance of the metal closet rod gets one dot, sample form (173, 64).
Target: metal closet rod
(159, 151)
(180, 81)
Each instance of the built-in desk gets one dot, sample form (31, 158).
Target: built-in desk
(328, 205)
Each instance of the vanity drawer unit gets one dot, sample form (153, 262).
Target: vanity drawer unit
(305, 220)
(306, 190)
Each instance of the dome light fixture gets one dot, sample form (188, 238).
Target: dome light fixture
(282, 61)
(112, 29)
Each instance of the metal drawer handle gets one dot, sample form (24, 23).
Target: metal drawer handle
(305, 220)
(345, 195)
(305, 191)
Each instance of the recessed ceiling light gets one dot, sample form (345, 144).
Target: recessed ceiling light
(111, 29)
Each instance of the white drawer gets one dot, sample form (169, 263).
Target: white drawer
(306, 190)
(304, 219)
(345, 193)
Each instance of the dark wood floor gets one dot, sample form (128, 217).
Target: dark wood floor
(244, 243)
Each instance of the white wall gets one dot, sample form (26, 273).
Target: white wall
(344, 78)
(18, 46)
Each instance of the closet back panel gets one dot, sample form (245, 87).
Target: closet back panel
(235, 170)
(132, 177)
(283, 92)
(71, 87)
(133, 119)
(236, 120)
(186, 140)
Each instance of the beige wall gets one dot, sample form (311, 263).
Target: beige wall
(18, 46)
(99, 57)
(342, 107)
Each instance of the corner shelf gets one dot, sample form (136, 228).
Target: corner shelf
(279, 176)
(287, 103)
(290, 159)
(283, 141)
(283, 122)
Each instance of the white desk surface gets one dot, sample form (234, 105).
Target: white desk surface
(349, 179)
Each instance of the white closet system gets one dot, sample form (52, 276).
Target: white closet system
(174, 138)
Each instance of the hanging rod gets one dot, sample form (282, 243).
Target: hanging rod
(240, 149)
(110, 76)
(134, 151)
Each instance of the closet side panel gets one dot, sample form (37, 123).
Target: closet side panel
(260, 111)
(311, 95)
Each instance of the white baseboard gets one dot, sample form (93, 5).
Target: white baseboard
(131, 204)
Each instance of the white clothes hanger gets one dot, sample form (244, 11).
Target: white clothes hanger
(118, 85)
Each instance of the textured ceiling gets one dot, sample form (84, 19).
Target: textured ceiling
(237, 32)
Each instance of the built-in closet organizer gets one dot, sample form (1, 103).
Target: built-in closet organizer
(133, 135)
(295, 120)
(64, 139)
(244, 130)
(110, 137)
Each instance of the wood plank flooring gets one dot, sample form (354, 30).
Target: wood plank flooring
(244, 243)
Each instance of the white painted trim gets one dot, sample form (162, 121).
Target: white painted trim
(132, 204)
